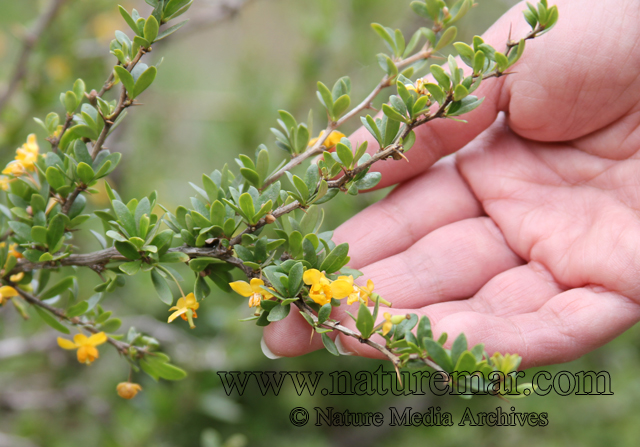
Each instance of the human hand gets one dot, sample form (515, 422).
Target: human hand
(527, 239)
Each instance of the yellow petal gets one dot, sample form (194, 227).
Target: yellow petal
(32, 143)
(7, 291)
(319, 298)
(312, 276)
(369, 286)
(97, 339)
(347, 278)
(341, 288)
(255, 285)
(241, 287)
(266, 294)
(80, 339)
(176, 314)
(66, 344)
(190, 300)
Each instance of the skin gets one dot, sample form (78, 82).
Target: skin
(527, 236)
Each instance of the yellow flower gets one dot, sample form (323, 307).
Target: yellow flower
(4, 182)
(17, 277)
(186, 308)
(333, 139)
(128, 390)
(27, 155)
(86, 346)
(359, 293)
(14, 168)
(420, 87)
(7, 292)
(12, 250)
(388, 324)
(251, 290)
(322, 289)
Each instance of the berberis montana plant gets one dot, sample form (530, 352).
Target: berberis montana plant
(257, 218)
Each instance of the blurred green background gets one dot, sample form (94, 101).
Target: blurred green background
(217, 94)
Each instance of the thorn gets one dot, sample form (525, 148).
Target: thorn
(398, 374)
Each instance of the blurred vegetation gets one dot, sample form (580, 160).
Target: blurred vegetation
(219, 88)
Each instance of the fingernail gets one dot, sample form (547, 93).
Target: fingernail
(267, 352)
(340, 347)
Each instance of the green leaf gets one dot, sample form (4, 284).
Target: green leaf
(70, 102)
(458, 347)
(126, 78)
(77, 309)
(85, 173)
(336, 259)
(460, 92)
(162, 288)
(162, 369)
(340, 106)
(392, 113)
(127, 249)
(55, 178)
(329, 344)
(386, 36)
(144, 81)
(246, 205)
(51, 321)
(60, 287)
(438, 354)
(447, 37)
(278, 313)
(466, 362)
(131, 268)
(369, 181)
(111, 325)
(151, 29)
(171, 30)
(127, 18)
(364, 322)
(325, 97)
(345, 155)
(295, 279)
(125, 217)
(55, 233)
(439, 74)
(174, 256)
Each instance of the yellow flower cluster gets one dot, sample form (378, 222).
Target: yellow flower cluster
(323, 289)
(25, 160)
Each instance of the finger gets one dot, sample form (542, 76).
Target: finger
(412, 210)
(541, 105)
(568, 326)
(522, 289)
(450, 263)
(292, 336)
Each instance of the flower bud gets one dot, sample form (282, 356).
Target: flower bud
(269, 218)
(128, 390)
(397, 319)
